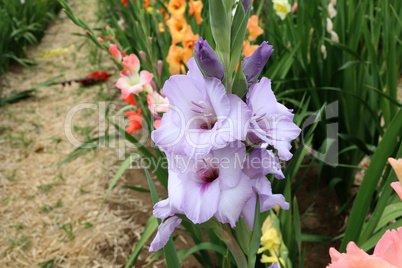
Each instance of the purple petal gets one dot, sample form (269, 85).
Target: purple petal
(253, 65)
(165, 229)
(268, 200)
(207, 59)
(246, 4)
(233, 200)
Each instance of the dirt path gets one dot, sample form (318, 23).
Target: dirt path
(55, 215)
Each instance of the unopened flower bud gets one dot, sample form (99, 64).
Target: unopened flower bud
(115, 52)
(143, 56)
(207, 59)
(253, 65)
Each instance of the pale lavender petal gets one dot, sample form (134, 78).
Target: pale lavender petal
(261, 99)
(253, 65)
(207, 59)
(231, 159)
(248, 211)
(201, 199)
(165, 229)
(233, 200)
(240, 117)
(268, 200)
(261, 162)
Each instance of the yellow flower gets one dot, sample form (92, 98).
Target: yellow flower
(272, 259)
(270, 241)
(178, 29)
(282, 8)
(174, 60)
(195, 10)
(161, 27)
(253, 29)
(177, 7)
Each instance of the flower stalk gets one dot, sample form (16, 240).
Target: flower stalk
(226, 235)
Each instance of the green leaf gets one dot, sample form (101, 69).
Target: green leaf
(370, 181)
(149, 229)
(119, 172)
(184, 253)
(220, 29)
(239, 87)
(243, 234)
(237, 44)
(135, 188)
(255, 236)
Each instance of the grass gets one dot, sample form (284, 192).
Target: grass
(22, 24)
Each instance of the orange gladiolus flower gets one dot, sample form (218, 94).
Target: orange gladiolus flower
(253, 29)
(147, 3)
(178, 29)
(177, 8)
(135, 121)
(195, 10)
(125, 2)
(248, 49)
(174, 60)
(189, 39)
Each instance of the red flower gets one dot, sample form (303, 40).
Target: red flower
(125, 2)
(95, 77)
(130, 99)
(135, 121)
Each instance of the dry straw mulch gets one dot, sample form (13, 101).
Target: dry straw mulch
(54, 214)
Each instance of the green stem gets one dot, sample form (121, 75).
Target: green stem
(226, 235)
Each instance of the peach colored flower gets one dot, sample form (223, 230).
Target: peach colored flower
(135, 121)
(157, 103)
(387, 253)
(397, 166)
(177, 8)
(178, 29)
(355, 258)
(248, 49)
(389, 247)
(116, 54)
(174, 60)
(253, 29)
(189, 39)
(195, 10)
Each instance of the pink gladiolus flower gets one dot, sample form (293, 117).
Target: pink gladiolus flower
(116, 54)
(131, 63)
(389, 247)
(100, 40)
(157, 103)
(397, 166)
(132, 82)
(387, 254)
(294, 7)
(157, 123)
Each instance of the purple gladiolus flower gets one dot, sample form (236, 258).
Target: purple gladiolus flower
(271, 121)
(202, 116)
(246, 4)
(207, 59)
(165, 229)
(259, 163)
(253, 65)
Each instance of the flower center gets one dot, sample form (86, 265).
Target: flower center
(208, 173)
(208, 117)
